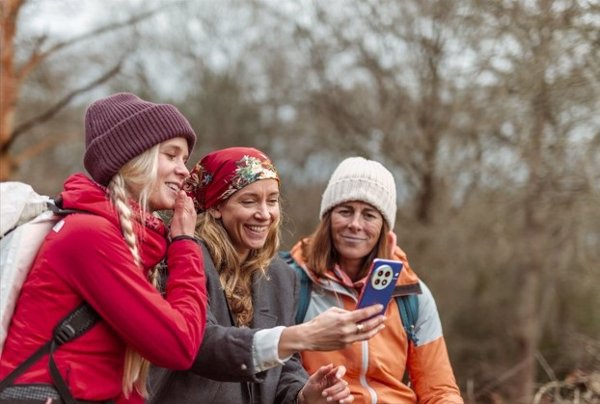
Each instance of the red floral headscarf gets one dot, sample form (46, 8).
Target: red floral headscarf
(221, 173)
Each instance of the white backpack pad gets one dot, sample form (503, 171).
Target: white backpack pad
(21, 207)
(19, 203)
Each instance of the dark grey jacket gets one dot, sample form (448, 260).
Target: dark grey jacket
(223, 371)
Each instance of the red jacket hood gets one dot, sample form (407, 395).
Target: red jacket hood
(82, 193)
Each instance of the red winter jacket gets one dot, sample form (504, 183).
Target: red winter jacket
(88, 259)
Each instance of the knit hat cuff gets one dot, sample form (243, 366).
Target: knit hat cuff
(358, 179)
(106, 155)
(369, 192)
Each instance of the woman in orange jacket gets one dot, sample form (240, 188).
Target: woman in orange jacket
(358, 211)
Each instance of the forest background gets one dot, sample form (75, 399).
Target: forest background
(487, 113)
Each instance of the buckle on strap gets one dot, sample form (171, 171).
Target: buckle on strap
(75, 324)
(64, 333)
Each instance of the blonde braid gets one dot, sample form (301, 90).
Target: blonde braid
(137, 176)
(119, 198)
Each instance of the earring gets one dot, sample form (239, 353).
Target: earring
(214, 213)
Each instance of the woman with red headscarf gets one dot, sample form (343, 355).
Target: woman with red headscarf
(250, 350)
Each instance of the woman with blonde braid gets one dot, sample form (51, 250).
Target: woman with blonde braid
(105, 254)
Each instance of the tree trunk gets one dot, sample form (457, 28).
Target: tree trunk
(8, 82)
(533, 258)
(528, 306)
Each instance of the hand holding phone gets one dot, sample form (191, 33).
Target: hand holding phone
(380, 284)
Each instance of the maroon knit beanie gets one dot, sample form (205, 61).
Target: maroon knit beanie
(123, 126)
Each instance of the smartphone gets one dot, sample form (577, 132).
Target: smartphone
(380, 284)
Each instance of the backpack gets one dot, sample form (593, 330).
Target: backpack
(25, 219)
(408, 304)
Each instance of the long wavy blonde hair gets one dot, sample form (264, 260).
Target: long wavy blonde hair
(135, 180)
(236, 276)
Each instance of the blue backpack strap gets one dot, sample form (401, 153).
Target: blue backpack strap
(305, 285)
(408, 305)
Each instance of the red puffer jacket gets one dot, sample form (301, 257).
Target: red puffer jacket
(88, 259)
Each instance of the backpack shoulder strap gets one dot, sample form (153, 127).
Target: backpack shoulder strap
(305, 285)
(408, 305)
(72, 326)
(55, 205)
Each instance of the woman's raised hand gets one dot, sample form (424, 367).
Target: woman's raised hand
(183, 221)
(391, 240)
(326, 385)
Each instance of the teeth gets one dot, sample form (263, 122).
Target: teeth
(174, 187)
(353, 238)
(257, 229)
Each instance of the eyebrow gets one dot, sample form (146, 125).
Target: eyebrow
(171, 147)
(348, 205)
(256, 194)
(174, 148)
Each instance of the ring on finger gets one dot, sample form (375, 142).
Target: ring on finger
(359, 328)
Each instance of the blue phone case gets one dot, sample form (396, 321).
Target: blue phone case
(381, 282)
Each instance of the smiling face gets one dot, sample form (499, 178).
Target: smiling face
(249, 215)
(172, 156)
(355, 230)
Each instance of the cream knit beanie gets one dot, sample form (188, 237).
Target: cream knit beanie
(359, 179)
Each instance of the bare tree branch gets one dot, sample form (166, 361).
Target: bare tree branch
(37, 57)
(24, 127)
(47, 143)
